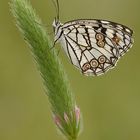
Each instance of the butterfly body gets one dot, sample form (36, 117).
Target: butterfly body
(93, 46)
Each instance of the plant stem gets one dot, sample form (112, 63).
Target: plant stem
(54, 78)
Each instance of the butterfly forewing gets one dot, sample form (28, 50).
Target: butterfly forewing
(94, 46)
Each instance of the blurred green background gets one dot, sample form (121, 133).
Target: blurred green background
(110, 104)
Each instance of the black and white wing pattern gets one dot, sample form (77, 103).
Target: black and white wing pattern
(95, 46)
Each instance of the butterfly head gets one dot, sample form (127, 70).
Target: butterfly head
(56, 24)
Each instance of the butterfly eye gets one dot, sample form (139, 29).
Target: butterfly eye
(102, 59)
(86, 66)
(55, 22)
(94, 63)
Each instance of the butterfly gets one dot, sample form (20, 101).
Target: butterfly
(93, 46)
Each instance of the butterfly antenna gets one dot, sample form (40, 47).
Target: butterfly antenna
(56, 5)
(58, 9)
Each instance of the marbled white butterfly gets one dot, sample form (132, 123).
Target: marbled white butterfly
(93, 46)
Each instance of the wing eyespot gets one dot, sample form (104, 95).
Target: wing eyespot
(101, 44)
(99, 37)
(116, 39)
(102, 59)
(85, 67)
(94, 63)
(100, 40)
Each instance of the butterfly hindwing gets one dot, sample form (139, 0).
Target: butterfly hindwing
(94, 46)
